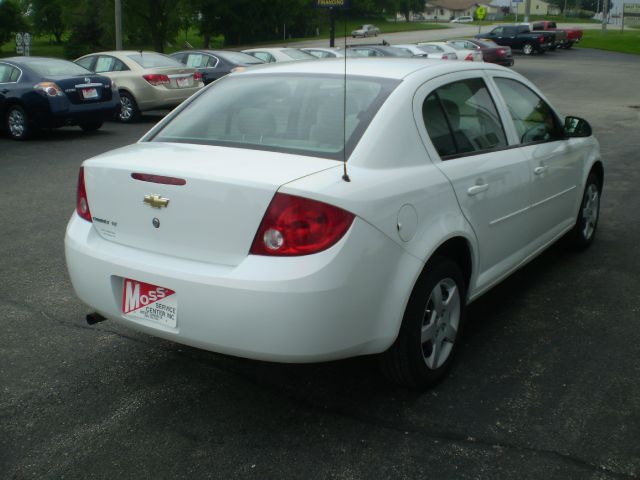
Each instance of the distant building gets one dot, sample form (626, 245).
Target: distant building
(446, 10)
(538, 7)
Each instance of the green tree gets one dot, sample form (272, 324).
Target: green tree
(160, 18)
(11, 20)
(47, 18)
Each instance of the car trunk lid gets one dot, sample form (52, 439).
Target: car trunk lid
(84, 88)
(212, 210)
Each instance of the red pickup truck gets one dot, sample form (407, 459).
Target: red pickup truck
(574, 35)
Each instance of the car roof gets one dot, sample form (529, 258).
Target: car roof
(385, 67)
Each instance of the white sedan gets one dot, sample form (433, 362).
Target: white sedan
(272, 218)
(461, 53)
(279, 54)
(426, 51)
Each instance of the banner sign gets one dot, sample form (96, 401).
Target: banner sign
(338, 4)
(631, 14)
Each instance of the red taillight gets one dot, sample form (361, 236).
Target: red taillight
(197, 77)
(469, 58)
(445, 56)
(156, 79)
(82, 204)
(298, 226)
(541, 38)
(501, 52)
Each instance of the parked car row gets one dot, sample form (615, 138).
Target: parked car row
(37, 92)
(346, 213)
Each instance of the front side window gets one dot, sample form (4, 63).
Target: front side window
(291, 113)
(534, 119)
(497, 31)
(461, 119)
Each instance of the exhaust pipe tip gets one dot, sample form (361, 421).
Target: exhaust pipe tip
(94, 318)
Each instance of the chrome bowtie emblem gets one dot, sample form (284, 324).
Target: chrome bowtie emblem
(87, 79)
(156, 201)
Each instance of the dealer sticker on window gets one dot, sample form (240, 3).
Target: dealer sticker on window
(149, 302)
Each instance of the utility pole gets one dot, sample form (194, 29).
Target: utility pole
(605, 14)
(118, 24)
(527, 10)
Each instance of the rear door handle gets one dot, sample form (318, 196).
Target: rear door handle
(476, 189)
(539, 170)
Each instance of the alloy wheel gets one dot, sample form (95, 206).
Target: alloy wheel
(126, 108)
(440, 323)
(590, 211)
(16, 123)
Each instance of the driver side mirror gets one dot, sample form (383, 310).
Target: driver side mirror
(576, 127)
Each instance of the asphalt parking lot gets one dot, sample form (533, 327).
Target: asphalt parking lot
(547, 385)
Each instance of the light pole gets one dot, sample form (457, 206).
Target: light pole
(118, 24)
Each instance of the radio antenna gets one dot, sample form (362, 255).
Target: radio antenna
(345, 175)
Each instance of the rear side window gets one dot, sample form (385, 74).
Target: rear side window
(534, 119)
(198, 60)
(461, 119)
(109, 64)
(291, 113)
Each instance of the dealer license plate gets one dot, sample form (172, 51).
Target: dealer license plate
(149, 302)
(88, 93)
(183, 82)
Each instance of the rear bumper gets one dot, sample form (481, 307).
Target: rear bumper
(343, 302)
(160, 97)
(58, 112)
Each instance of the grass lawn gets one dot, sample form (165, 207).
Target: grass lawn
(624, 42)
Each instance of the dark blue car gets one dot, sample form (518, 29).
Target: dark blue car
(37, 92)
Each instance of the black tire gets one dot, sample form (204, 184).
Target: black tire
(412, 361)
(568, 46)
(581, 236)
(129, 112)
(91, 126)
(17, 123)
(527, 48)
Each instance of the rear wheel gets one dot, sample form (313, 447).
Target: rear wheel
(527, 48)
(584, 231)
(17, 123)
(430, 331)
(91, 126)
(128, 108)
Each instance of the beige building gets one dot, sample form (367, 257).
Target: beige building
(445, 10)
(538, 7)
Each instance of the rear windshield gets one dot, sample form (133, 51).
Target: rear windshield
(240, 58)
(297, 54)
(152, 60)
(52, 66)
(291, 113)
